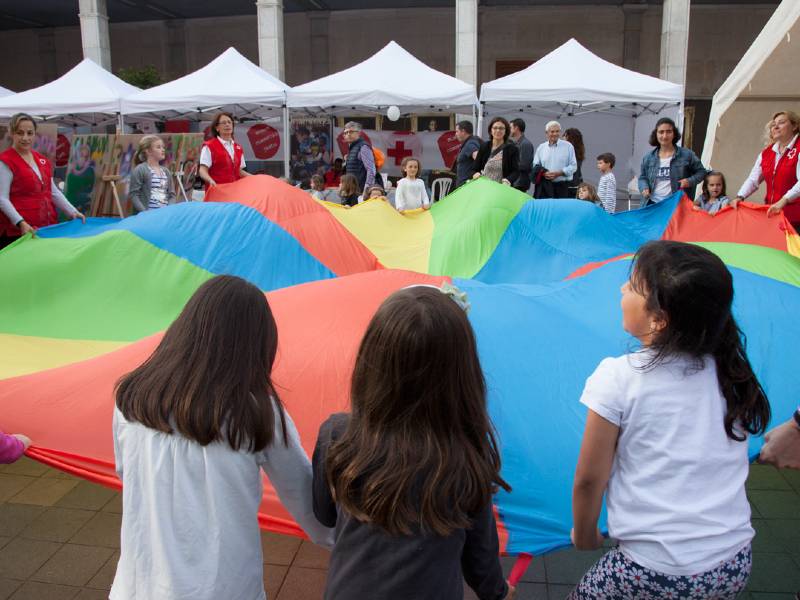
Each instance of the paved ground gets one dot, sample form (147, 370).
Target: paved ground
(59, 540)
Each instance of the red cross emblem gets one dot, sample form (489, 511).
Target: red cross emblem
(399, 152)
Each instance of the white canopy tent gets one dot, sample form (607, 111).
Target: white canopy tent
(614, 108)
(230, 82)
(391, 77)
(764, 82)
(5, 92)
(86, 94)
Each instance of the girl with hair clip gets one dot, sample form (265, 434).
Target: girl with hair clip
(193, 427)
(151, 185)
(407, 477)
(666, 437)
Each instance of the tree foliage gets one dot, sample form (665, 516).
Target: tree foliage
(142, 77)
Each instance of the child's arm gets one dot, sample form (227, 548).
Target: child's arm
(289, 471)
(400, 195)
(480, 559)
(426, 201)
(591, 478)
(322, 498)
(12, 447)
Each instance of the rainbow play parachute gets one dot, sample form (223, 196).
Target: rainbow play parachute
(83, 304)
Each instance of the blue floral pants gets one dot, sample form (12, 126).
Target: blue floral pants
(616, 577)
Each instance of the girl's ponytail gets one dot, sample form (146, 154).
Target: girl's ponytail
(746, 400)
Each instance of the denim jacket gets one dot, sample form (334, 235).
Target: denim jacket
(684, 165)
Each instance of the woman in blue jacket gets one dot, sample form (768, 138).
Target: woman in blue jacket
(668, 168)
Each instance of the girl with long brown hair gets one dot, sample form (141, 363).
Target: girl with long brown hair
(666, 437)
(407, 478)
(193, 427)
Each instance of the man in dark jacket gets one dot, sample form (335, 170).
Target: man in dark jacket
(523, 182)
(469, 150)
(360, 161)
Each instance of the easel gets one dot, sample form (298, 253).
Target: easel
(104, 205)
(179, 184)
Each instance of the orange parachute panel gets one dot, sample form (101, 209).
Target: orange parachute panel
(303, 217)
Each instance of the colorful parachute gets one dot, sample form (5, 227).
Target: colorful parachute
(82, 304)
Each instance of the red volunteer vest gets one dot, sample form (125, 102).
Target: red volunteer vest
(31, 196)
(779, 180)
(223, 169)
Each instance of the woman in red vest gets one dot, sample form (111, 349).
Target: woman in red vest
(221, 159)
(28, 195)
(778, 167)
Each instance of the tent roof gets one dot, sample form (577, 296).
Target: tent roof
(763, 72)
(5, 91)
(391, 77)
(86, 88)
(571, 74)
(229, 81)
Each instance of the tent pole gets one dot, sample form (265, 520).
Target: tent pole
(120, 123)
(286, 141)
(479, 124)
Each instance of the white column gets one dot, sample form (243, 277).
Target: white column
(467, 41)
(94, 31)
(674, 40)
(270, 36)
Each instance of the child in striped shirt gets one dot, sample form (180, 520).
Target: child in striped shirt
(607, 188)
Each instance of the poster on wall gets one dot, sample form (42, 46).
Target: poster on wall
(311, 147)
(45, 143)
(436, 150)
(88, 157)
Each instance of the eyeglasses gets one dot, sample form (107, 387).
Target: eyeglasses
(348, 131)
(498, 128)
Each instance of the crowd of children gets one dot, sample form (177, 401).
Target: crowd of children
(401, 487)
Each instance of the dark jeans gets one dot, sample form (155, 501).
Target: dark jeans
(5, 240)
(551, 189)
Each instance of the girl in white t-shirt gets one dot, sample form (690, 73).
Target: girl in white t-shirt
(666, 438)
(193, 427)
(411, 192)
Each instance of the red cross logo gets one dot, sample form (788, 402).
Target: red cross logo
(399, 152)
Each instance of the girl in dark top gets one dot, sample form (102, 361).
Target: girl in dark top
(498, 159)
(348, 190)
(407, 478)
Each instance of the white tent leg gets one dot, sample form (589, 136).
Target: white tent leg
(286, 141)
(479, 124)
(120, 124)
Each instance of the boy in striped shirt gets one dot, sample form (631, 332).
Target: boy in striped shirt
(607, 188)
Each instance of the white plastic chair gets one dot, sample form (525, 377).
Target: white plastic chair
(440, 188)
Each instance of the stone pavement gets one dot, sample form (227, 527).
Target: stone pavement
(59, 540)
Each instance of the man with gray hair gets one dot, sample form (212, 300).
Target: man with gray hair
(554, 164)
(360, 161)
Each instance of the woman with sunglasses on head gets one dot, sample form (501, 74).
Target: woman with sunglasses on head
(498, 159)
(779, 168)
